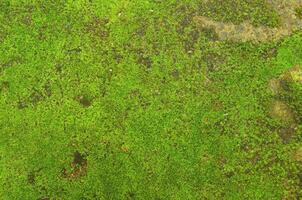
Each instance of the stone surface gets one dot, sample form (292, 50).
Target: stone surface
(298, 154)
(282, 111)
(245, 31)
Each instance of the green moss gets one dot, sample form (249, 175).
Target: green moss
(129, 100)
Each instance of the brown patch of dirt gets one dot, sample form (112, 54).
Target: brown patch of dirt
(282, 83)
(286, 134)
(146, 61)
(97, 27)
(281, 111)
(84, 101)
(297, 156)
(295, 74)
(79, 159)
(78, 167)
(241, 33)
(298, 12)
(275, 86)
(245, 31)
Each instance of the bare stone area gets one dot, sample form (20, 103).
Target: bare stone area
(298, 155)
(280, 110)
(245, 31)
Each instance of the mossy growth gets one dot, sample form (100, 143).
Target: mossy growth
(130, 100)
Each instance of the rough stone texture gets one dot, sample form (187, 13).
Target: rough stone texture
(275, 86)
(282, 111)
(298, 154)
(293, 75)
(245, 31)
